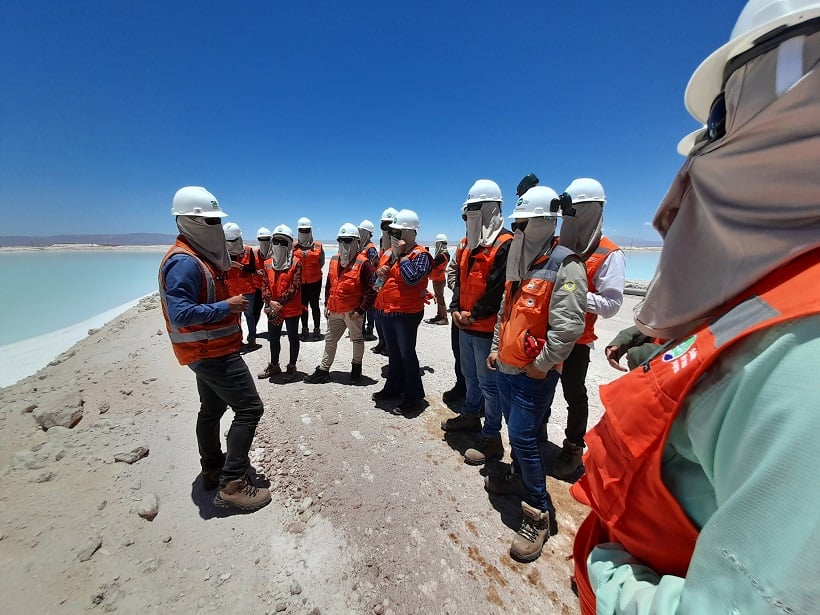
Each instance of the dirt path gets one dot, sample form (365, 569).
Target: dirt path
(371, 513)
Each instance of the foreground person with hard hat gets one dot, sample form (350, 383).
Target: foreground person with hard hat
(349, 293)
(541, 317)
(402, 278)
(371, 252)
(582, 233)
(441, 258)
(244, 276)
(282, 295)
(702, 474)
(312, 256)
(202, 319)
(387, 218)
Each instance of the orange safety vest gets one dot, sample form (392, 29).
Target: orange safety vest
(395, 295)
(311, 271)
(278, 282)
(473, 272)
(437, 274)
(528, 309)
(593, 264)
(241, 282)
(206, 340)
(623, 484)
(366, 249)
(345, 286)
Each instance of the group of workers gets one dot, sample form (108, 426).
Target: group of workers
(699, 475)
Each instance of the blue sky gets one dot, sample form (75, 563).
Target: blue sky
(337, 110)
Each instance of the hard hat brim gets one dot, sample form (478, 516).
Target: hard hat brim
(204, 214)
(706, 82)
(686, 144)
(529, 214)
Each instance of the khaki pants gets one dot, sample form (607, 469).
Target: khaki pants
(336, 326)
(438, 291)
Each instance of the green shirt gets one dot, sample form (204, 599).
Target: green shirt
(743, 460)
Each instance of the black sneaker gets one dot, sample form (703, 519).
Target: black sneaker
(320, 376)
(385, 395)
(454, 394)
(462, 422)
(504, 484)
(409, 407)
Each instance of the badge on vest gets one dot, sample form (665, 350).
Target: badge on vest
(681, 355)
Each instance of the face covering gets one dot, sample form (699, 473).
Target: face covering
(305, 238)
(236, 247)
(484, 225)
(385, 241)
(347, 252)
(581, 233)
(264, 248)
(364, 237)
(747, 203)
(408, 237)
(207, 239)
(441, 246)
(529, 244)
(282, 256)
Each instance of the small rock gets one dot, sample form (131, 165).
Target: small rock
(89, 548)
(29, 408)
(148, 380)
(295, 589)
(44, 477)
(136, 485)
(281, 607)
(133, 455)
(104, 407)
(166, 539)
(66, 412)
(297, 527)
(149, 507)
(126, 392)
(306, 503)
(102, 504)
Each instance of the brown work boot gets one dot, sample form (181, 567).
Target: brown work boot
(462, 422)
(568, 461)
(290, 373)
(489, 449)
(271, 370)
(241, 494)
(536, 528)
(508, 483)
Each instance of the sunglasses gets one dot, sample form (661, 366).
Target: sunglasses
(212, 221)
(347, 240)
(474, 206)
(233, 240)
(279, 242)
(519, 225)
(395, 233)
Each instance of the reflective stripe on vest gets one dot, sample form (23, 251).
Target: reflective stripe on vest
(345, 289)
(593, 264)
(396, 296)
(473, 273)
(527, 309)
(623, 482)
(311, 271)
(278, 282)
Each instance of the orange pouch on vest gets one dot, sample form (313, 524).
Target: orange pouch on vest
(532, 344)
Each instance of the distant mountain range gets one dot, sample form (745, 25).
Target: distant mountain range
(164, 239)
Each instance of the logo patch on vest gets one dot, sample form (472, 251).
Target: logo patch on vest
(681, 355)
(569, 287)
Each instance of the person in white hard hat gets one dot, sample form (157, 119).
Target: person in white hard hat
(541, 317)
(282, 296)
(263, 253)
(349, 293)
(245, 274)
(441, 258)
(402, 273)
(202, 319)
(369, 249)
(582, 232)
(387, 218)
(312, 254)
(702, 473)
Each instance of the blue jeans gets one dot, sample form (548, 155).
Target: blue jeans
(400, 332)
(222, 382)
(250, 315)
(525, 402)
(480, 381)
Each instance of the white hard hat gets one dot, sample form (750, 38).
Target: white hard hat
(484, 190)
(304, 223)
(441, 237)
(586, 189)
(406, 220)
(757, 18)
(283, 229)
(263, 233)
(389, 214)
(368, 226)
(196, 201)
(535, 203)
(232, 231)
(686, 144)
(348, 230)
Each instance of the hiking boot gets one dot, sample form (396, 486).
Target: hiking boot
(379, 348)
(369, 337)
(304, 335)
(462, 422)
(210, 479)
(290, 374)
(408, 407)
(319, 376)
(489, 449)
(271, 370)
(568, 461)
(536, 528)
(453, 395)
(241, 494)
(355, 372)
(251, 340)
(317, 333)
(508, 483)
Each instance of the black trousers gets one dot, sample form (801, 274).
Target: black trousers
(573, 378)
(310, 298)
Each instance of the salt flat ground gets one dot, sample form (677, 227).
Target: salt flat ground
(371, 513)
